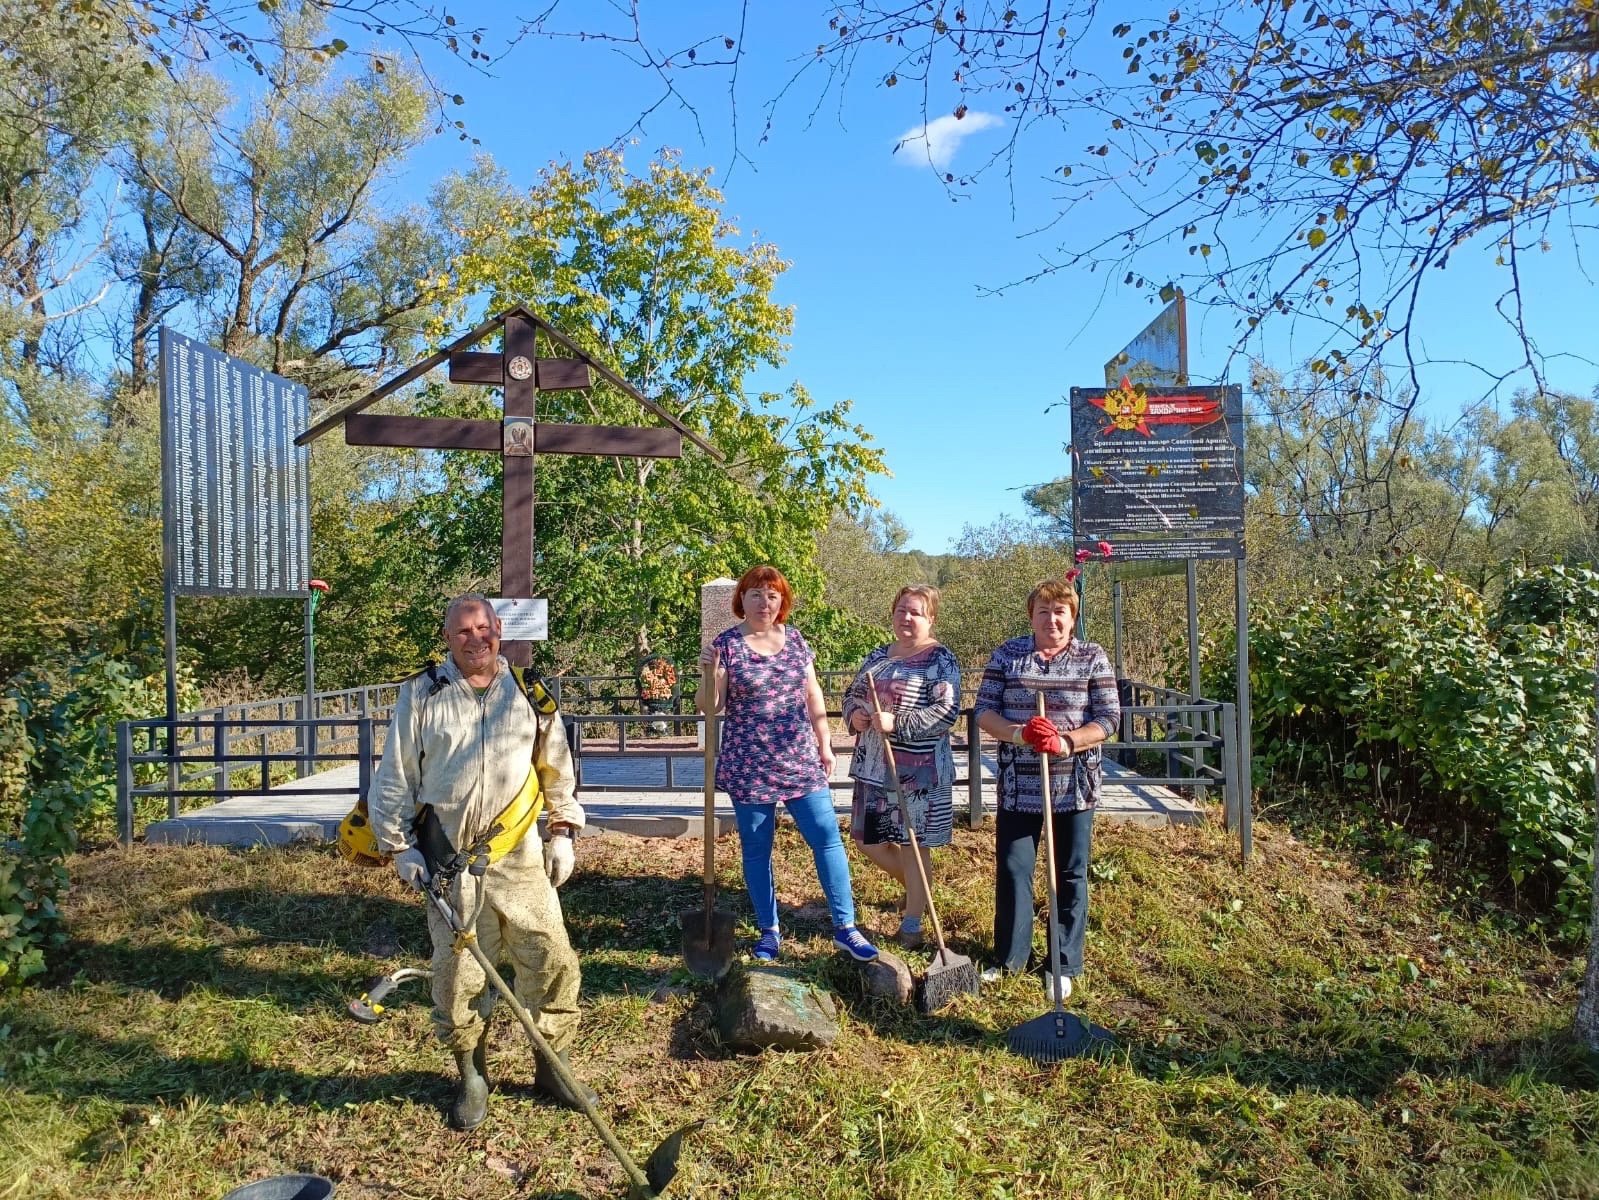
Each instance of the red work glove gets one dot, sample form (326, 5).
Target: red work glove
(1040, 733)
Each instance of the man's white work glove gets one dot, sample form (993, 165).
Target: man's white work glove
(412, 868)
(559, 859)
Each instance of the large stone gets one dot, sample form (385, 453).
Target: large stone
(772, 1007)
(888, 977)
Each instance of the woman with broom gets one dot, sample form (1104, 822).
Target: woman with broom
(777, 746)
(918, 685)
(1082, 709)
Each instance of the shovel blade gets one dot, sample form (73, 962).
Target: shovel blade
(707, 944)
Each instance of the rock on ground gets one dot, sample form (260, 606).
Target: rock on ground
(887, 976)
(772, 1007)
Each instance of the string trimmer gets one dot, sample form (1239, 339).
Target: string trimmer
(661, 1166)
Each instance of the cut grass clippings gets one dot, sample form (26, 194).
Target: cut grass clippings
(1294, 1029)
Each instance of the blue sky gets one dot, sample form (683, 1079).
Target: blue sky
(889, 268)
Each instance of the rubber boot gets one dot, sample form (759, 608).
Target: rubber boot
(548, 1082)
(471, 1104)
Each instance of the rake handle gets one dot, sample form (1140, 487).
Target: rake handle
(910, 826)
(1049, 867)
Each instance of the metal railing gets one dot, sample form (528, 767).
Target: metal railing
(269, 746)
(1194, 739)
(593, 743)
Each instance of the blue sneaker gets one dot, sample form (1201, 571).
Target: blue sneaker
(853, 944)
(766, 948)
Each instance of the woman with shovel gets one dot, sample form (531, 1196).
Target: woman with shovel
(918, 683)
(777, 746)
(1081, 708)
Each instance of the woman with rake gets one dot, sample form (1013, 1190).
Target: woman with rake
(1081, 708)
(777, 746)
(918, 686)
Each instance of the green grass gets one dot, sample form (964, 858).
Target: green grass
(1297, 1029)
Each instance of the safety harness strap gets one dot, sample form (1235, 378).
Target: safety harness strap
(508, 829)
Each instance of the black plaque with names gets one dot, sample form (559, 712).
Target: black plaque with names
(235, 488)
(1158, 472)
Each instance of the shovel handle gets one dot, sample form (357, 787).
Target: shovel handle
(708, 702)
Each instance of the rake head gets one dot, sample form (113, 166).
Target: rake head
(1057, 1036)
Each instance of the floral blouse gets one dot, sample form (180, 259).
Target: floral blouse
(769, 750)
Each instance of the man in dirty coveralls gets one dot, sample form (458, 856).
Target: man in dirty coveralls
(473, 750)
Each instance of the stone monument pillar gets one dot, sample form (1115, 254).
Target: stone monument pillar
(716, 614)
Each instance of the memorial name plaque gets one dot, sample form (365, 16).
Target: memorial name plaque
(235, 488)
(1158, 472)
(523, 620)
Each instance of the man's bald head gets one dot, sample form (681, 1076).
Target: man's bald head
(473, 632)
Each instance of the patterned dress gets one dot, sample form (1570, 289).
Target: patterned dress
(923, 692)
(769, 750)
(1079, 686)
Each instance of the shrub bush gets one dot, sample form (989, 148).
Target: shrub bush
(1404, 692)
(57, 780)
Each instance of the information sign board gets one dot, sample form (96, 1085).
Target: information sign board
(523, 620)
(235, 489)
(1158, 472)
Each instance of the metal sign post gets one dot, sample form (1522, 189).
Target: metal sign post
(315, 589)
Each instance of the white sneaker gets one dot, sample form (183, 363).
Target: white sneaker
(1065, 982)
(992, 974)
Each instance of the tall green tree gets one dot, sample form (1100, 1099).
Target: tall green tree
(649, 275)
(314, 277)
(66, 95)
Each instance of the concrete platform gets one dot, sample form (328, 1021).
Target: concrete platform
(619, 795)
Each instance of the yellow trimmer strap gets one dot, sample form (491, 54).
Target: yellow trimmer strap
(520, 815)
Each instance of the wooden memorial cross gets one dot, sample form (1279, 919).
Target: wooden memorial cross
(519, 438)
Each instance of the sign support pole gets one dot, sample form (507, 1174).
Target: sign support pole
(1246, 782)
(1116, 622)
(1193, 629)
(170, 614)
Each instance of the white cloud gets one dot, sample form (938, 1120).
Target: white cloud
(936, 142)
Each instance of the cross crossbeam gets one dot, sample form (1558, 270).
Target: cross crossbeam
(519, 437)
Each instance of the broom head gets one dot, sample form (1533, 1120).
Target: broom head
(949, 975)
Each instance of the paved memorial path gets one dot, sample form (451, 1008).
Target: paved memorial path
(612, 796)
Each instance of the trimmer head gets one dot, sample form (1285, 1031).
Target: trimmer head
(369, 1008)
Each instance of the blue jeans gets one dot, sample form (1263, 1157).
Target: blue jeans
(1016, 839)
(818, 825)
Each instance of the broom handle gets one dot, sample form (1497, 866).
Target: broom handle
(1049, 867)
(910, 827)
(640, 1184)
